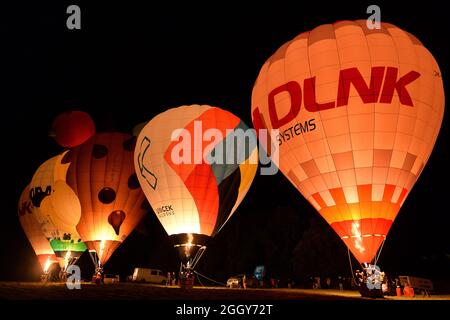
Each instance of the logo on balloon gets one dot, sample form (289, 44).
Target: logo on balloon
(37, 195)
(384, 82)
(165, 211)
(25, 208)
(145, 173)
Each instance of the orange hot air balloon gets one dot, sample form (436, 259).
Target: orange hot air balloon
(71, 129)
(32, 229)
(358, 112)
(102, 174)
(194, 197)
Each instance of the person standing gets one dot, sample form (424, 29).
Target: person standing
(328, 282)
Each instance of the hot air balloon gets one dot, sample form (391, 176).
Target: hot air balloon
(102, 175)
(358, 112)
(57, 209)
(72, 128)
(193, 196)
(32, 229)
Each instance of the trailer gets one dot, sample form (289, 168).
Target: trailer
(422, 285)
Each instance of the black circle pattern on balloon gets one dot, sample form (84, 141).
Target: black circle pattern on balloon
(133, 182)
(99, 151)
(107, 195)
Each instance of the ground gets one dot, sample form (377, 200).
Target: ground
(130, 291)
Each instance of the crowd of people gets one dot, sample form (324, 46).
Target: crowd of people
(362, 280)
(171, 279)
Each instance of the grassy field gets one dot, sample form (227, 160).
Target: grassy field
(130, 291)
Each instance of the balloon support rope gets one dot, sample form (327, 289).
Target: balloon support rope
(351, 267)
(95, 261)
(198, 279)
(212, 280)
(379, 252)
(197, 257)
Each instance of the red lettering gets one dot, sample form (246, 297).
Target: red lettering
(259, 123)
(348, 77)
(258, 120)
(310, 97)
(25, 208)
(368, 94)
(391, 83)
(294, 90)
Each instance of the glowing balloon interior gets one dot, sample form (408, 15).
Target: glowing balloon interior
(192, 197)
(32, 229)
(57, 208)
(101, 173)
(358, 113)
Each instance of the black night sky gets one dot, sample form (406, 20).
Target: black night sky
(128, 63)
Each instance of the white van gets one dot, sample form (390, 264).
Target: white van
(149, 275)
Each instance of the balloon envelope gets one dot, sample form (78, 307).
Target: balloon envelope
(32, 229)
(56, 207)
(101, 173)
(358, 112)
(72, 128)
(191, 197)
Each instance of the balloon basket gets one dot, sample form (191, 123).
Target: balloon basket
(370, 293)
(187, 283)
